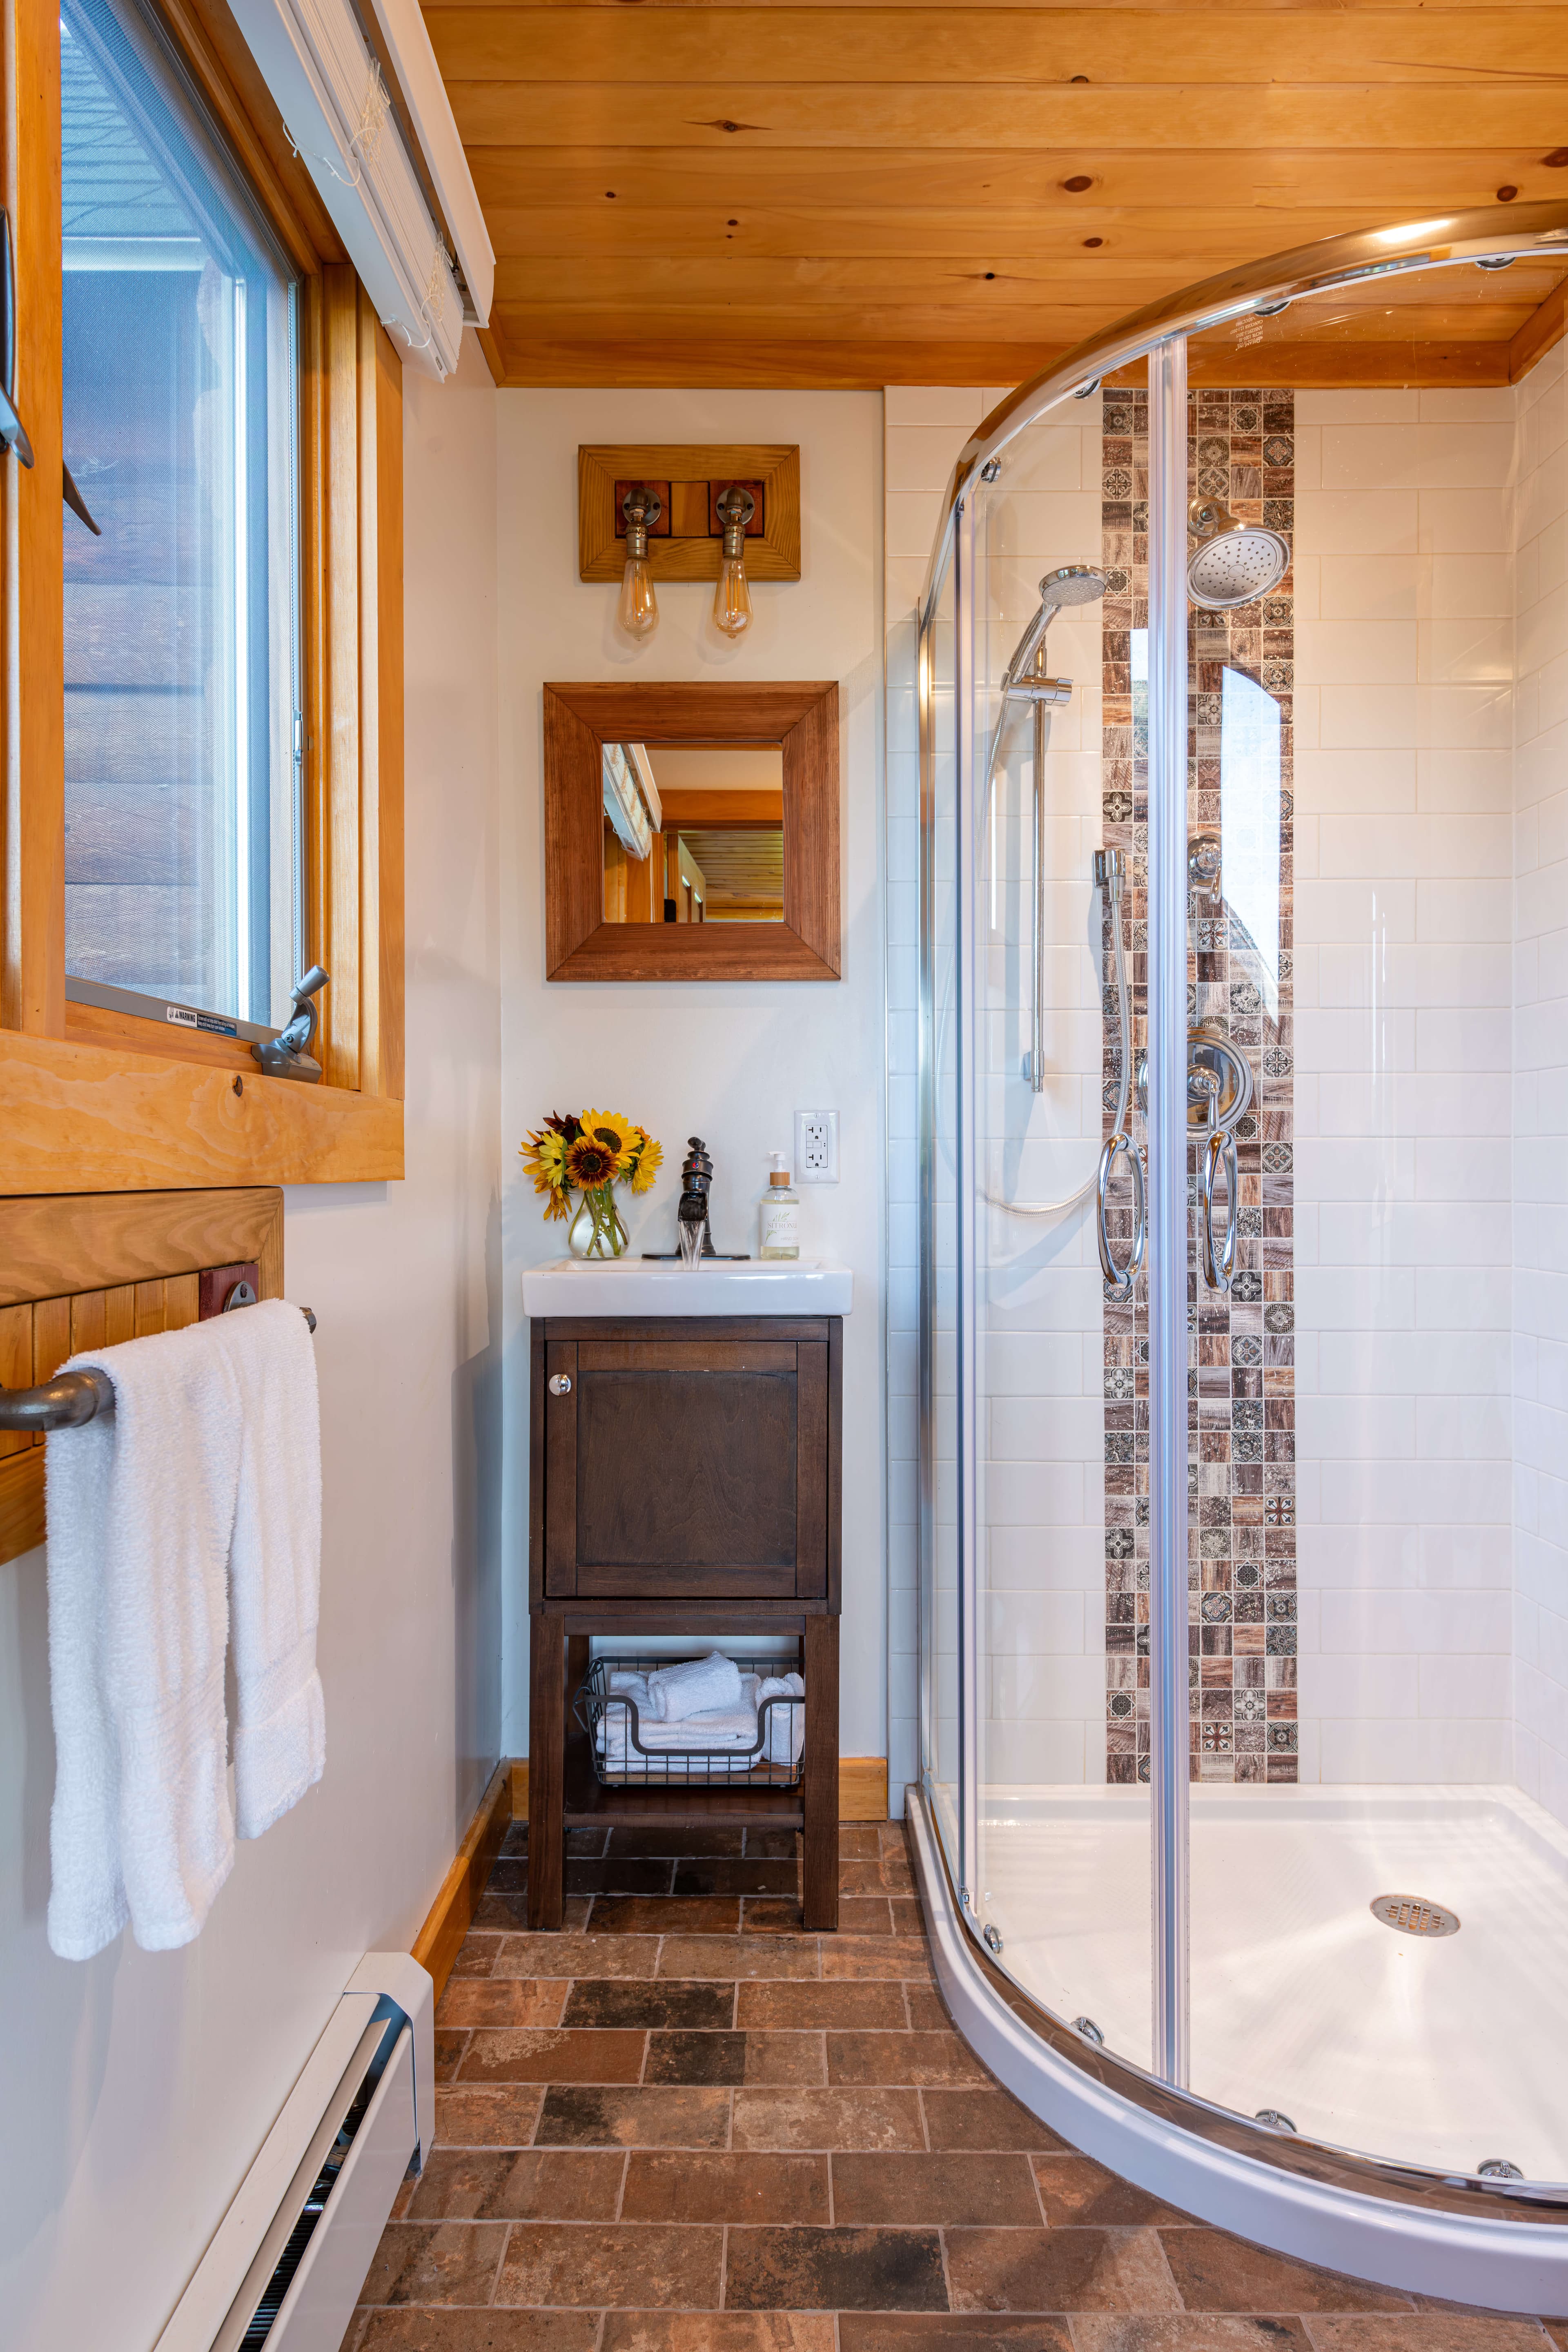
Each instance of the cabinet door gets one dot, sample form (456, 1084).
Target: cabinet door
(681, 1467)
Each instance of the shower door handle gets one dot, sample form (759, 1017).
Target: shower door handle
(1120, 1280)
(1219, 1268)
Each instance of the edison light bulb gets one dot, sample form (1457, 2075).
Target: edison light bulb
(638, 611)
(732, 596)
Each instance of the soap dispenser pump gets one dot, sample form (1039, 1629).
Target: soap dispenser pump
(779, 1236)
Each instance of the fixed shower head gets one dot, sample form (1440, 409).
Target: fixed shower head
(1071, 583)
(1233, 561)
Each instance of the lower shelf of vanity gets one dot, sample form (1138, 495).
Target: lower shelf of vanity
(589, 1802)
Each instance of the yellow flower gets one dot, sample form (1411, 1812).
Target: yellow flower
(616, 1134)
(545, 1157)
(649, 1159)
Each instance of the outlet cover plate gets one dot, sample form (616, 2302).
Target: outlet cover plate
(816, 1147)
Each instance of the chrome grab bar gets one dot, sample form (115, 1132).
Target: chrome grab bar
(1221, 1145)
(72, 1398)
(1120, 1280)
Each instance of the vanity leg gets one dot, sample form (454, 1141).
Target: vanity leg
(819, 1798)
(546, 1775)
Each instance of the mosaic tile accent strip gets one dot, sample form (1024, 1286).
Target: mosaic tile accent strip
(1241, 1348)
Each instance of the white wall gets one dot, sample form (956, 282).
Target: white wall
(1541, 1087)
(138, 2085)
(1402, 923)
(729, 1063)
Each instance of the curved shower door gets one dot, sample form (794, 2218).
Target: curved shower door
(1030, 1501)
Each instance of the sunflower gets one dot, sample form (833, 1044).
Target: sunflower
(590, 1163)
(649, 1159)
(544, 1158)
(616, 1134)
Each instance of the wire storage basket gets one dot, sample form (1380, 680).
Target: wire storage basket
(630, 1752)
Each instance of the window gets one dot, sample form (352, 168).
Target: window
(184, 742)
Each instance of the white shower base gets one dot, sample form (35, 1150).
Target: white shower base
(1441, 2053)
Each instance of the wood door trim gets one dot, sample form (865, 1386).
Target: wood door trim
(686, 1355)
(561, 1471)
(666, 1327)
(579, 720)
(811, 1473)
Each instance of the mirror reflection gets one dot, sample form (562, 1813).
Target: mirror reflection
(693, 832)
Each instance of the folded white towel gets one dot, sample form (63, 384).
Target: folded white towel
(141, 1511)
(695, 1686)
(714, 1731)
(208, 1466)
(274, 1564)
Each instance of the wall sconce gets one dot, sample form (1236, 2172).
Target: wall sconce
(638, 611)
(732, 597)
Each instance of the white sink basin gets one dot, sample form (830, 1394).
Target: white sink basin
(637, 1285)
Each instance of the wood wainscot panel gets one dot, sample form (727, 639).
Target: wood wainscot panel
(80, 1271)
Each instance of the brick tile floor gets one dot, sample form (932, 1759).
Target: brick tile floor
(683, 2126)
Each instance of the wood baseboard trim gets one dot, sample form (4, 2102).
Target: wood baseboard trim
(451, 1915)
(862, 1788)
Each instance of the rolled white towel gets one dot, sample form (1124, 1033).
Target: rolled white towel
(695, 1686)
(786, 1724)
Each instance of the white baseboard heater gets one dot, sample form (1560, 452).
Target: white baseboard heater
(286, 2262)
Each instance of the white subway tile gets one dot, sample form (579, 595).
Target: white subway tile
(1379, 408)
(1462, 521)
(1357, 522)
(1369, 652)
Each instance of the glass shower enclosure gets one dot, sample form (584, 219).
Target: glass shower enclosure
(1231, 695)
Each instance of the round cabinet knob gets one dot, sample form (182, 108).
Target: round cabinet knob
(560, 1385)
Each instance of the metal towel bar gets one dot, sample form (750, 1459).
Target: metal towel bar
(71, 1397)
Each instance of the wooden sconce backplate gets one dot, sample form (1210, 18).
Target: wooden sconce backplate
(687, 542)
(579, 720)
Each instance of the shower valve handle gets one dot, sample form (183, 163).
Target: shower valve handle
(1120, 1280)
(1219, 1266)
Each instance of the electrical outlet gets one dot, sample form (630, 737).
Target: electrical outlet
(816, 1147)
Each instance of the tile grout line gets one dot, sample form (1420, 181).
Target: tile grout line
(500, 2262)
(946, 2279)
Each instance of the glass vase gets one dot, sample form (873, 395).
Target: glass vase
(597, 1229)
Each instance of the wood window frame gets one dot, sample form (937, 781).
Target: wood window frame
(579, 720)
(117, 1102)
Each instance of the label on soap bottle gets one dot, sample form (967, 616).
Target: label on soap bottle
(779, 1228)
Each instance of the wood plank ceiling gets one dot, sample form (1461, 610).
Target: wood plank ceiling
(689, 194)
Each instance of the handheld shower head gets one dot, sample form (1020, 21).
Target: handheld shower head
(1071, 583)
(1233, 561)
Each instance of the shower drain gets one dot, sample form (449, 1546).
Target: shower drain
(1414, 1915)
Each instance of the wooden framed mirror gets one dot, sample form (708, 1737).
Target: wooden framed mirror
(691, 832)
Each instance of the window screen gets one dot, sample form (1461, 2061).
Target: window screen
(183, 776)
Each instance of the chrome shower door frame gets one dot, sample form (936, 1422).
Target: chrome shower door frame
(969, 1203)
(1169, 1671)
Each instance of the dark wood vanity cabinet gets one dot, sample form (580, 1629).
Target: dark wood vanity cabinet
(685, 1479)
(684, 1461)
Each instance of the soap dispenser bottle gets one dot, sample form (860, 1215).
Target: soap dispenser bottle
(780, 1212)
